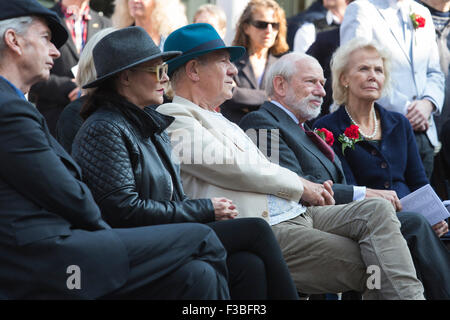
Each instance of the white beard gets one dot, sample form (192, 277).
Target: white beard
(303, 107)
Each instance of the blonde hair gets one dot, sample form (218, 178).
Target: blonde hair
(341, 58)
(215, 11)
(241, 39)
(167, 16)
(86, 68)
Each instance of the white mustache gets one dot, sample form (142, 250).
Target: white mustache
(310, 98)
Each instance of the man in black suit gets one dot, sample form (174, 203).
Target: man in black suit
(295, 86)
(322, 49)
(52, 95)
(54, 243)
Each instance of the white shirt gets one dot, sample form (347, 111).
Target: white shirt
(306, 34)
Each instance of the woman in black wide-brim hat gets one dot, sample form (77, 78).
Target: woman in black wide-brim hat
(125, 156)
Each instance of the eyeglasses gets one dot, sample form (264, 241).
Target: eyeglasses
(160, 70)
(263, 24)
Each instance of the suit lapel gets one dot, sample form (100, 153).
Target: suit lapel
(388, 15)
(63, 155)
(330, 166)
(288, 125)
(247, 71)
(270, 60)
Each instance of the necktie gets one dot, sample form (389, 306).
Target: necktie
(406, 26)
(320, 143)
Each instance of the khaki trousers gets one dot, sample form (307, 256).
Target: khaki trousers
(334, 248)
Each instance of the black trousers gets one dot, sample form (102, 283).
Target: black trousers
(173, 261)
(430, 256)
(256, 266)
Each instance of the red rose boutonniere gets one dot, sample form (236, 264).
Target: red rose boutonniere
(326, 135)
(350, 137)
(417, 20)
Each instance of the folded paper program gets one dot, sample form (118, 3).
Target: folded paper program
(426, 202)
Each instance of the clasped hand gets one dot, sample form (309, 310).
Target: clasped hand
(224, 209)
(316, 194)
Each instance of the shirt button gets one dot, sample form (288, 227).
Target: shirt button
(374, 152)
(265, 214)
(387, 185)
(384, 165)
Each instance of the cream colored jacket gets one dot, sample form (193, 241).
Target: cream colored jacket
(218, 159)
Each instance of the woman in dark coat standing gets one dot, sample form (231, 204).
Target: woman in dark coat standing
(126, 158)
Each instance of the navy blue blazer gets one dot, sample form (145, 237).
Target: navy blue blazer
(296, 150)
(393, 165)
(47, 214)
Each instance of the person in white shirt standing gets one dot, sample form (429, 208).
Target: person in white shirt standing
(306, 34)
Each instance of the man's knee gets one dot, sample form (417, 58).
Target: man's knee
(247, 276)
(200, 280)
(378, 209)
(413, 223)
(204, 236)
(412, 219)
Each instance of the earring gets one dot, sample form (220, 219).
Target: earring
(346, 86)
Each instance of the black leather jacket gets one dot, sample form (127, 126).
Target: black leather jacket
(125, 157)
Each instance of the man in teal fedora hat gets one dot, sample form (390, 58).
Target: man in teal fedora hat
(336, 246)
(195, 40)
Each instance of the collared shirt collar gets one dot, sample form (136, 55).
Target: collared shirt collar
(395, 4)
(19, 93)
(289, 112)
(330, 18)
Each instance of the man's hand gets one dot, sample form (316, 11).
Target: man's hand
(389, 195)
(224, 209)
(441, 228)
(315, 194)
(418, 113)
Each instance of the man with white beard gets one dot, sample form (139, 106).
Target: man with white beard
(292, 103)
(304, 153)
(327, 248)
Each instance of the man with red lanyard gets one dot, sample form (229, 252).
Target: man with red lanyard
(60, 89)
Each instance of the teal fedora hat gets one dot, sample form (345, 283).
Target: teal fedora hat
(195, 40)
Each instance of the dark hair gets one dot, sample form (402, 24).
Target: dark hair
(106, 92)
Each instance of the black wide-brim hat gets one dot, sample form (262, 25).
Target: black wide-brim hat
(123, 49)
(195, 40)
(21, 8)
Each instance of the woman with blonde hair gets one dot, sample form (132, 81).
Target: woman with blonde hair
(386, 157)
(261, 30)
(158, 17)
(214, 15)
(70, 120)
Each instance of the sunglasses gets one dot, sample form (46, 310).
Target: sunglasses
(263, 24)
(160, 70)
